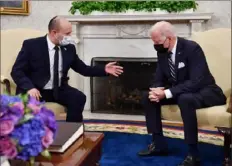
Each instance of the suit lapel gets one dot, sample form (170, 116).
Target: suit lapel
(46, 53)
(64, 56)
(164, 59)
(179, 52)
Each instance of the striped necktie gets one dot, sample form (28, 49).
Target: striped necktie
(171, 67)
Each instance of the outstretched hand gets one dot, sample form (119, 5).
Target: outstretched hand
(113, 69)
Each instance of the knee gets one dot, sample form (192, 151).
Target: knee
(79, 98)
(186, 98)
(145, 99)
(82, 98)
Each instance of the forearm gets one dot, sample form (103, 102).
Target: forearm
(168, 93)
(21, 67)
(157, 84)
(189, 86)
(93, 71)
(87, 70)
(21, 80)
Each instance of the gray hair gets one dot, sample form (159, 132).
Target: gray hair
(166, 29)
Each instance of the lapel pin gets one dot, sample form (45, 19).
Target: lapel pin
(65, 48)
(179, 52)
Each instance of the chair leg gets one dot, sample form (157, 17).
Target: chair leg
(227, 149)
(227, 133)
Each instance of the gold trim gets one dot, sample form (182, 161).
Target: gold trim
(24, 10)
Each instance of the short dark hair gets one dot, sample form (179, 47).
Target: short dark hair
(53, 24)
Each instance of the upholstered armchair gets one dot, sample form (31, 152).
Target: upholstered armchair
(216, 44)
(11, 43)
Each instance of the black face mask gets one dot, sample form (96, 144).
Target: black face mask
(160, 48)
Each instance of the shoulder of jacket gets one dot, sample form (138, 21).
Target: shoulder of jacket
(188, 44)
(34, 40)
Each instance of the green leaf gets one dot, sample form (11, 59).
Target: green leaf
(32, 161)
(26, 118)
(15, 141)
(19, 148)
(86, 7)
(46, 154)
(27, 110)
(24, 97)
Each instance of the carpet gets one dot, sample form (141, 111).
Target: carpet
(139, 127)
(119, 149)
(123, 139)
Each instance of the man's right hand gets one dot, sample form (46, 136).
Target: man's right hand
(153, 98)
(156, 89)
(34, 93)
(153, 94)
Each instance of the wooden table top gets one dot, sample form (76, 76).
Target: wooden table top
(77, 152)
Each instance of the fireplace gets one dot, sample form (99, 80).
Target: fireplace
(122, 95)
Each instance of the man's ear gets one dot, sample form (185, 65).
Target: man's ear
(173, 39)
(53, 32)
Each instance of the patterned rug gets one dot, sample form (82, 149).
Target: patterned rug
(139, 127)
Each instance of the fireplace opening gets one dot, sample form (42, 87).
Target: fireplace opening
(123, 94)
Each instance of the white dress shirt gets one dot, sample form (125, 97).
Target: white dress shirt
(167, 92)
(51, 52)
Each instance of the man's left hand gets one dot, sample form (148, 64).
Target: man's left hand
(113, 69)
(159, 92)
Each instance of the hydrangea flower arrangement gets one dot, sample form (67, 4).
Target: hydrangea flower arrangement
(27, 128)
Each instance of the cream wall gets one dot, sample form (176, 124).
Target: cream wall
(221, 10)
(42, 11)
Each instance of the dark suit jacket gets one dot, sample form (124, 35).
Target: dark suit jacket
(193, 77)
(32, 66)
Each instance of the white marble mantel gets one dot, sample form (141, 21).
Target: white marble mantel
(124, 36)
(139, 17)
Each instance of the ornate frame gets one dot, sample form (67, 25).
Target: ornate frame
(23, 10)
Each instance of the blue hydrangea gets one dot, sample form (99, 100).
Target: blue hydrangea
(6, 100)
(29, 136)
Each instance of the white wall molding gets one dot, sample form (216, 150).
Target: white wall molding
(138, 18)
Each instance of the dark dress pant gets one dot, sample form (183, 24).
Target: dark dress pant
(188, 103)
(73, 99)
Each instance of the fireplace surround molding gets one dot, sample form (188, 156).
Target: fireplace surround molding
(139, 17)
(123, 36)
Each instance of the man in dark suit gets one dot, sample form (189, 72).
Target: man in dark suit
(182, 77)
(43, 63)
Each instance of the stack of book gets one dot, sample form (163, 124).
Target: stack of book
(67, 134)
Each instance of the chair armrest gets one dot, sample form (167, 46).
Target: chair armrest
(6, 83)
(230, 104)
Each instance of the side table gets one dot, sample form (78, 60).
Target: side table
(88, 153)
(226, 132)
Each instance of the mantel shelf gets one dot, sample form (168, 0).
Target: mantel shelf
(138, 17)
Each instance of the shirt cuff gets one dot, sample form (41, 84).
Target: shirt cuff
(168, 93)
